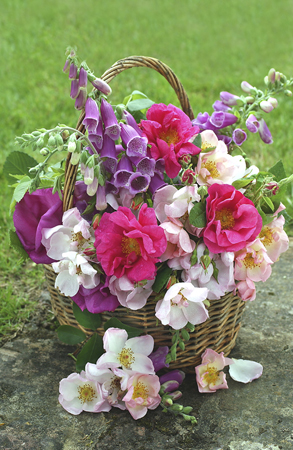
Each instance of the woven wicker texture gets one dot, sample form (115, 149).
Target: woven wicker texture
(219, 332)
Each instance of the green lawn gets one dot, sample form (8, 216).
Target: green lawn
(211, 46)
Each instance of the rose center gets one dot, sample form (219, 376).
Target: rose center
(170, 136)
(266, 236)
(211, 375)
(129, 245)
(140, 391)
(126, 357)
(212, 168)
(249, 261)
(225, 216)
(78, 237)
(86, 393)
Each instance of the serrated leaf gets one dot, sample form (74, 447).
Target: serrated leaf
(140, 104)
(18, 163)
(90, 352)
(115, 323)
(70, 335)
(17, 245)
(197, 216)
(278, 171)
(86, 318)
(22, 187)
(162, 279)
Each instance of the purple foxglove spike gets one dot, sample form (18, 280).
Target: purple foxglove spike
(266, 106)
(130, 120)
(89, 175)
(97, 137)
(156, 183)
(92, 188)
(66, 66)
(125, 164)
(92, 115)
(110, 187)
(246, 87)
(159, 358)
(112, 128)
(101, 86)
(138, 183)
(239, 136)
(203, 122)
(221, 119)
(80, 99)
(229, 99)
(160, 166)
(252, 124)
(109, 153)
(101, 202)
(220, 106)
(170, 386)
(82, 79)
(264, 132)
(72, 71)
(146, 166)
(124, 171)
(74, 89)
(226, 139)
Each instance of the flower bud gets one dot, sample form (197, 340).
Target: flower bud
(272, 76)
(66, 66)
(59, 142)
(52, 141)
(229, 99)
(266, 106)
(102, 86)
(44, 151)
(266, 80)
(176, 407)
(246, 87)
(185, 160)
(288, 93)
(189, 176)
(40, 142)
(96, 221)
(71, 145)
(249, 100)
(278, 77)
(91, 162)
(283, 78)
(73, 71)
(273, 187)
(273, 102)
(65, 135)
(167, 401)
(176, 395)
(74, 158)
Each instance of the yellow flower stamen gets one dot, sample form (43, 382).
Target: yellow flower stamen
(266, 236)
(170, 136)
(140, 391)
(129, 245)
(126, 357)
(225, 216)
(86, 393)
(212, 168)
(211, 376)
(249, 261)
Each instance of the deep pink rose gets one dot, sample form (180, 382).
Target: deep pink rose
(232, 219)
(169, 131)
(38, 210)
(130, 246)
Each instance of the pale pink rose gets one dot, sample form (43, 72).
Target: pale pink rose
(246, 290)
(253, 262)
(78, 393)
(209, 377)
(130, 295)
(170, 202)
(274, 238)
(143, 394)
(178, 241)
(130, 354)
(182, 303)
(217, 165)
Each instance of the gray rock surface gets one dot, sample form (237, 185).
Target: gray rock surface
(256, 416)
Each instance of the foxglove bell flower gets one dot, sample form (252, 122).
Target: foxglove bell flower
(158, 358)
(112, 128)
(252, 124)
(136, 145)
(239, 136)
(229, 99)
(264, 132)
(92, 115)
(102, 86)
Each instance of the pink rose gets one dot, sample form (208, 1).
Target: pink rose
(130, 246)
(169, 132)
(232, 219)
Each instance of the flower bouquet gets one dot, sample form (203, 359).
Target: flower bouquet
(153, 231)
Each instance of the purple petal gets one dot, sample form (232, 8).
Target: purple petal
(97, 136)
(109, 153)
(74, 89)
(92, 115)
(239, 136)
(173, 375)
(252, 124)
(220, 106)
(102, 86)
(264, 132)
(146, 166)
(138, 183)
(228, 99)
(130, 120)
(159, 358)
(220, 119)
(82, 79)
(96, 300)
(112, 128)
(80, 99)
(72, 71)
(156, 183)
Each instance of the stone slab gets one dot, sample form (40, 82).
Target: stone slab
(256, 416)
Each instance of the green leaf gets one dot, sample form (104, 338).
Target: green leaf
(197, 216)
(266, 218)
(70, 335)
(162, 279)
(134, 96)
(18, 163)
(238, 184)
(21, 188)
(139, 104)
(115, 323)
(197, 141)
(90, 352)
(17, 245)
(269, 202)
(278, 170)
(86, 318)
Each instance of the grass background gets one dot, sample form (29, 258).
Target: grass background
(211, 46)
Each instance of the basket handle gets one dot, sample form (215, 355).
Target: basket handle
(112, 72)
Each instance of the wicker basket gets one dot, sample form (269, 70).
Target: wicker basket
(219, 332)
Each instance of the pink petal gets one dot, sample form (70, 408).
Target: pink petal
(245, 371)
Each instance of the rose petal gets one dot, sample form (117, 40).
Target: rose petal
(245, 371)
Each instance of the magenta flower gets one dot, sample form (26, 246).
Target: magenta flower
(126, 245)
(45, 212)
(209, 377)
(96, 300)
(169, 132)
(232, 219)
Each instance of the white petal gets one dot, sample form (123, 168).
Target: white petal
(67, 284)
(245, 371)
